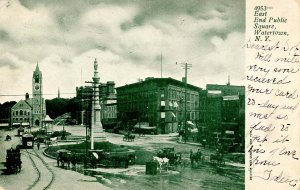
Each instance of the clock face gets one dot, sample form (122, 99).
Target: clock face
(36, 87)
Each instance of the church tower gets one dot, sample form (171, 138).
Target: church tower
(38, 105)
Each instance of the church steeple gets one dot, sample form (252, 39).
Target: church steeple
(228, 83)
(37, 71)
(38, 104)
(37, 67)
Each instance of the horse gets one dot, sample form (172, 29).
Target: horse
(64, 158)
(75, 160)
(195, 157)
(162, 162)
(129, 137)
(217, 159)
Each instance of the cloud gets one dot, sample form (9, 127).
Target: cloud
(128, 38)
(225, 59)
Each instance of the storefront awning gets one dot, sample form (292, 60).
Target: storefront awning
(233, 97)
(229, 132)
(190, 123)
(194, 130)
(175, 104)
(4, 124)
(173, 114)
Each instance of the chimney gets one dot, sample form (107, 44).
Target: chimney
(111, 87)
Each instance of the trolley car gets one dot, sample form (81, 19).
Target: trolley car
(27, 141)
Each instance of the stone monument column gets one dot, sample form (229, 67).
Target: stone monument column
(97, 133)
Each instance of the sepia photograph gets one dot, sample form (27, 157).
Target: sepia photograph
(122, 94)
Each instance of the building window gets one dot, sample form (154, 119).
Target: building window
(17, 113)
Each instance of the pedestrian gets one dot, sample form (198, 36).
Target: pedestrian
(180, 135)
(192, 158)
(38, 145)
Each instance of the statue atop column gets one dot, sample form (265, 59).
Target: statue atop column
(95, 65)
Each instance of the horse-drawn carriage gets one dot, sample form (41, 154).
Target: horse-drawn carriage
(13, 161)
(118, 159)
(217, 159)
(169, 152)
(96, 158)
(198, 158)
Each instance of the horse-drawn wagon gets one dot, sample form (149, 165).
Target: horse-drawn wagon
(169, 152)
(13, 161)
(115, 159)
(96, 158)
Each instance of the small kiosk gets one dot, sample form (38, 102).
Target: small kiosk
(48, 125)
(20, 131)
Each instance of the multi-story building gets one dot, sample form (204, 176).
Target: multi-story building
(222, 112)
(160, 102)
(108, 103)
(84, 96)
(31, 110)
(21, 112)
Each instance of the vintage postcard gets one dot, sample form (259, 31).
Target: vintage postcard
(149, 94)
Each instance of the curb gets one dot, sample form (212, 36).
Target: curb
(194, 144)
(47, 155)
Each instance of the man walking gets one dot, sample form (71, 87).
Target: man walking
(38, 145)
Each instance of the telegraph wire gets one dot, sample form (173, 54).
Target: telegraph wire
(34, 94)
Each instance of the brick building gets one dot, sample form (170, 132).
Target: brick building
(222, 113)
(158, 102)
(108, 103)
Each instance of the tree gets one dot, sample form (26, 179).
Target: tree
(5, 111)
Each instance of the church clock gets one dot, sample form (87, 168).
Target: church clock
(37, 87)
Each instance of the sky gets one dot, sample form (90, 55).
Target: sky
(130, 40)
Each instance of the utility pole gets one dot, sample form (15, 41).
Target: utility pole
(160, 64)
(185, 66)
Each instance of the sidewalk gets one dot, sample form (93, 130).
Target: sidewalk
(190, 143)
